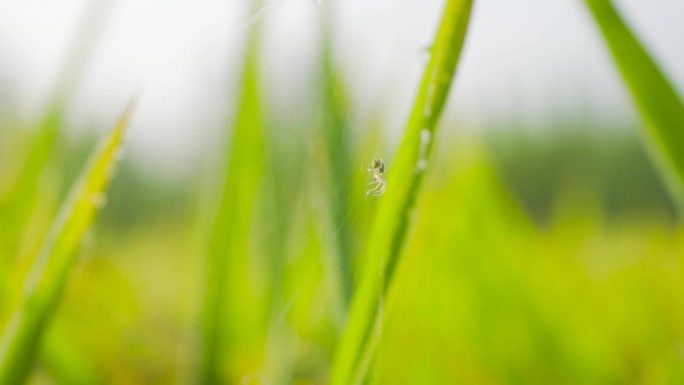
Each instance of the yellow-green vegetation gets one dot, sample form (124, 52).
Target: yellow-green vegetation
(387, 237)
(655, 98)
(490, 258)
(48, 277)
(227, 247)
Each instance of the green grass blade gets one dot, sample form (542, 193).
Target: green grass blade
(405, 177)
(244, 171)
(48, 277)
(656, 99)
(335, 129)
(64, 364)
(15, 208)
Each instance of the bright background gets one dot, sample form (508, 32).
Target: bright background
(529, 60)
(544, 248)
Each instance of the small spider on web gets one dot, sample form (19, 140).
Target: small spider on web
(376, 171)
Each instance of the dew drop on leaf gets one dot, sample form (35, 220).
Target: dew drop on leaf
(120, 153)
(99, 200)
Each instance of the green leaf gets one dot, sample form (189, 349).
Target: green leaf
(335, 130)
(656, 99)
(16, 206)
(49, 274)
(395, 207)
(229, 232)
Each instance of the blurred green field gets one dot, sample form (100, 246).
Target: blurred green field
(552, 258)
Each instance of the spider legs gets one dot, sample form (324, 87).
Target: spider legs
(377, 189)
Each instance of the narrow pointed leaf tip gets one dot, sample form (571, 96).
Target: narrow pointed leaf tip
(48, 277)
(356, 349)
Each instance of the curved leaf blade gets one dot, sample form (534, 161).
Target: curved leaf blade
(49, 274)
(654, 96)
(393, 217)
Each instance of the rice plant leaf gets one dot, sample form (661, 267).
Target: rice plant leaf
(335, 129)
(654, 96)
(65, 364)
(229, 232)
(394, 212)
(49, 274)
(15, 208)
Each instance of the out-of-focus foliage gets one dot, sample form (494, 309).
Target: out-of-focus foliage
(656, 99)
(47, 279)
(228, 293)
(531, 259)
(388, 234)
(485, 298)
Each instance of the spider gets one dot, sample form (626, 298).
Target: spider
(378, 184)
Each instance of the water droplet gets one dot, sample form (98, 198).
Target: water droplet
(421, 165)
(424, 54)
(99, 200)
(425, 136)
(120, 153)
(112, 170)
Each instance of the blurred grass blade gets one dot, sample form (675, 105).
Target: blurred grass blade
(64, 364)
(49, 274)
(16, 207)
(228, 243)
(393, 216)
(337, 136)
(657, 100)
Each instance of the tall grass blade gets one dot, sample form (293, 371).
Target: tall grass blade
(48, 277)
(64, 364)
(394, 211)
(15, 208)
(16, 205)
(337, 137)
(244, 171)
(656, 99)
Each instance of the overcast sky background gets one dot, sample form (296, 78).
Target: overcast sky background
(524, 59)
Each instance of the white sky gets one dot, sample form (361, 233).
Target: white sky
(526, 59)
